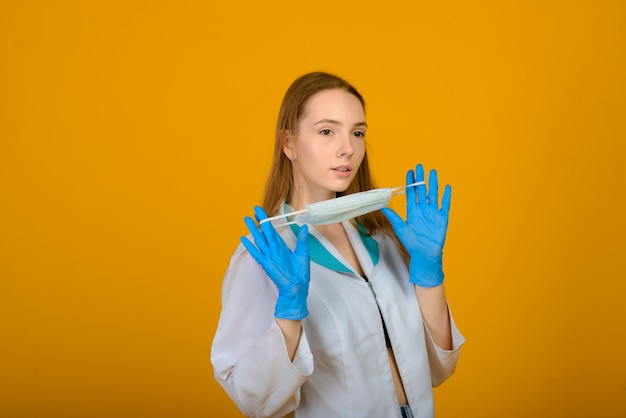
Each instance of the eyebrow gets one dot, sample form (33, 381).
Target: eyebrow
(336, 122)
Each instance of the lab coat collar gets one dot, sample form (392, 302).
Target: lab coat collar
(321, 255)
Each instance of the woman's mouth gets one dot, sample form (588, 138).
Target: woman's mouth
(342, 171)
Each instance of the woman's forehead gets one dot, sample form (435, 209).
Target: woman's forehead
(333, 105)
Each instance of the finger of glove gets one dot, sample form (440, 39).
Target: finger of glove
(259, 213)
(302, 242)
(258, 237)
(396, 220)
(402, 230)
(421, 189)
(270, 234)
(410, 193)
(433, 189)
(253, 250)
(445, 201)
(301, 258)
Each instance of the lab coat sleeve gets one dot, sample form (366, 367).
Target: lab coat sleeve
(249, 354)
(443, 362)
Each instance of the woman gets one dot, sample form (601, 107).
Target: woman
(344, 319)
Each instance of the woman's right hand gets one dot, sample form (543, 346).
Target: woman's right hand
(289, 270)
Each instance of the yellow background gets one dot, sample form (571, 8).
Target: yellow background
(135, 136)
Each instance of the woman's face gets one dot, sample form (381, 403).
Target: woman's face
(328, 148)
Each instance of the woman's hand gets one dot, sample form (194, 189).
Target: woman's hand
(289, 270)
(424, 232)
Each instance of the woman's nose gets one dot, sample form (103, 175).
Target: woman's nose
(345, 148)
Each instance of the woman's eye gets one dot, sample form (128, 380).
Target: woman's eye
(325, 132)
(359, 134)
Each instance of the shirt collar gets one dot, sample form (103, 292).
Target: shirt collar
(320, 254)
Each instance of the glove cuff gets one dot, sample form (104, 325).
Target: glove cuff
(291, 304)
(425, 272)
(288, 310)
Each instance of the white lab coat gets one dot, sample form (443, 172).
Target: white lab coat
(340, 368)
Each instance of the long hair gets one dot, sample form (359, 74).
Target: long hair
(280, 180)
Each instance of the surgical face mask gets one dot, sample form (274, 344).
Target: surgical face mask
(341, 208)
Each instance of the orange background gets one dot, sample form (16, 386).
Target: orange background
(135, 136)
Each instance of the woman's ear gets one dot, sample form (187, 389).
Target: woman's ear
(288, 140)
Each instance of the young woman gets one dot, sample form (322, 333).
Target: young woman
(343, 319)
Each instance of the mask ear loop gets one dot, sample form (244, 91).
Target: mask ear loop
(402, 189)
(285, 215)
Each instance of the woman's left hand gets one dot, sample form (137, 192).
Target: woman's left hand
(424, 232)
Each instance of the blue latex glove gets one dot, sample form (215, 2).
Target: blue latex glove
(424, 232)
(289, 270)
